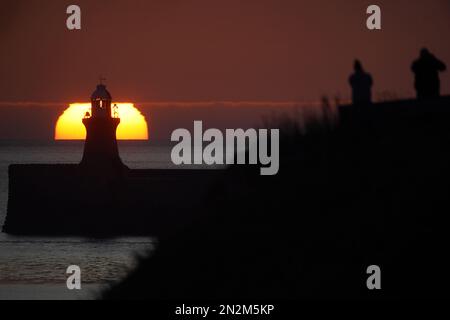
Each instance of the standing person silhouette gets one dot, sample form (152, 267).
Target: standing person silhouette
(361, 83)
(426, 70)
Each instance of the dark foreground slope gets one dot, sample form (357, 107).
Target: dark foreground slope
(373, 189)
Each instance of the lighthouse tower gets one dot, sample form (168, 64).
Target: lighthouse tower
(100, 149)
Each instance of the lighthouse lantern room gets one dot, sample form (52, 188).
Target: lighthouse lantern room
(100, 148)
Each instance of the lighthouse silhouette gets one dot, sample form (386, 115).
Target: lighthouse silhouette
(100, 149)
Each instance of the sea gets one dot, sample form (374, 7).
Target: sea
(35, 267)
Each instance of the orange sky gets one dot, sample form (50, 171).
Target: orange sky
(265, 51)
(171, 50)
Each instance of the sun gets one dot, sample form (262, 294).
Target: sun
(133, 125)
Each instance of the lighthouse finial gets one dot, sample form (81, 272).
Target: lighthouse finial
(101, 78)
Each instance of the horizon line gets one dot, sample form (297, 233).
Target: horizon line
(175, 102)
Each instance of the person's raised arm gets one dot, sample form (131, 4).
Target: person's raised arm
(440, 66)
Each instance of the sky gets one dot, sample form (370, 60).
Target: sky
(207, 51)
(210, 50)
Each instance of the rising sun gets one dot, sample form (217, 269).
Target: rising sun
(133, 125)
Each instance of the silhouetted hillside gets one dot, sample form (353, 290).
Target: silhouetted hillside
(371, 189)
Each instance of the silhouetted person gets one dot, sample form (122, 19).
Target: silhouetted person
(426, 70)
(361, 83)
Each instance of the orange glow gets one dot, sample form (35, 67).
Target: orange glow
(133, 125)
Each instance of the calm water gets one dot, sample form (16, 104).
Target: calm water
(35, 267)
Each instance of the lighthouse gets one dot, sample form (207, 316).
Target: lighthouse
(100, 149)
